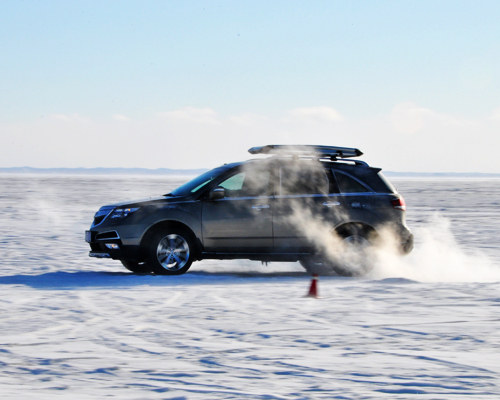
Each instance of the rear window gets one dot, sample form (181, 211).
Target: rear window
(358, 179)
(388, 185)
(347, 184)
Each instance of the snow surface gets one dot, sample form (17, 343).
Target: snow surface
(424, 326)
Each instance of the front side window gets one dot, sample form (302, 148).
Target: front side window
(197, 183)
(234, 183)
(248, 183)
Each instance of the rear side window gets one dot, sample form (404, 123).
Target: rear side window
(304, 178)
(347, 184)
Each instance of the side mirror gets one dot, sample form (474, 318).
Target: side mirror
(217, 193)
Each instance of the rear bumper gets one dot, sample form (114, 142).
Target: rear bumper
(407, 245)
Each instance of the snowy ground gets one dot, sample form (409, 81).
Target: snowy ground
(426, 326)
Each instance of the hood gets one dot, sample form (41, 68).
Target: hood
(144, 202)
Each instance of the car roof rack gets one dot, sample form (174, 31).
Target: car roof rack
(332, 152)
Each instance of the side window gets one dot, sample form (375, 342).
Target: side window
(247, 184)
(234, 183)
(334, 187)
(347, 184)
(304, 180)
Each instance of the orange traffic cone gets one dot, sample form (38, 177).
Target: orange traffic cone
(313, 289)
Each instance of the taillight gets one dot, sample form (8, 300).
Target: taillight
(399, 203)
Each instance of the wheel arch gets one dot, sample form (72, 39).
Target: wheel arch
(174, 226)
(361, 227)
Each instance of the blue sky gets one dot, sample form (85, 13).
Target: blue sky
(152, 80)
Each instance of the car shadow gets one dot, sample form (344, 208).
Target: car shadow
(103, 279)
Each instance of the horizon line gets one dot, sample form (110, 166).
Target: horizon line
(189, 171)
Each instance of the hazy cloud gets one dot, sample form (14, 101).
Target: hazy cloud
(192, 115)
(495, 115)
(409, 118)
(321, 114)
(410, 137)
(121, 117)
(247, 119)
(67, 118)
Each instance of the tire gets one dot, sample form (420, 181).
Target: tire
(171, 252)
(352, 258)
(136, 267)
(316, 264)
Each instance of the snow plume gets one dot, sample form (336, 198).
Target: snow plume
(437, 257)
(310, 219)
(334, 254)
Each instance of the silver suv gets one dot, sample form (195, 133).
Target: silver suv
(313, 204)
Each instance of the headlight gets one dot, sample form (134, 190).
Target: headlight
(122, 212)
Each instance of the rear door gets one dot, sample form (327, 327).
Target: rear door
(307, 206)
(361, 203)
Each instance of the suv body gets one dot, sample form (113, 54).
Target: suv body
(270, 209)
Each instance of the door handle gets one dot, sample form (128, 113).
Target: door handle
(261, 206)
(331, 203)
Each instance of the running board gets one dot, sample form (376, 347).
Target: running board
(255, 256)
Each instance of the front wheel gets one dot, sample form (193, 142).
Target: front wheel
(171, 253)
(136, 267)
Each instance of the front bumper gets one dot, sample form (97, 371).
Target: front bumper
(99, 254)
(109, 245)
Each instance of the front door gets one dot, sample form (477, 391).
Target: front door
(241, 222)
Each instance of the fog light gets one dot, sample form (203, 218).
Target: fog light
(112, 246)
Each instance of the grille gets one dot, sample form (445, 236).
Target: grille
(107, 235)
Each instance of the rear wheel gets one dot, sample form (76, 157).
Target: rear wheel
(171, 252)
(350, 259)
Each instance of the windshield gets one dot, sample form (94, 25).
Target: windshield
(197, 183)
